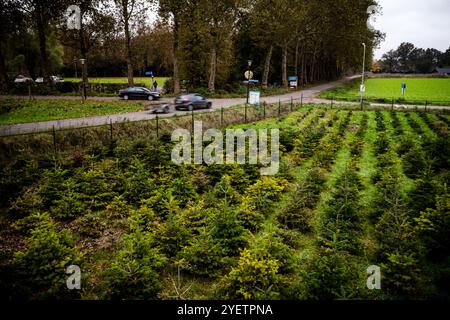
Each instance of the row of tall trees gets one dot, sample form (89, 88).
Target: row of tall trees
(203, 42)
(314, 40)
(410, 59)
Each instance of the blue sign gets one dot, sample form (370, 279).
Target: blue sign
(292, 79)
(403, 85)
(251, 81)
(149, 73)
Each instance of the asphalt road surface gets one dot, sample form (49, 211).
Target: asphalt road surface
(308, 97)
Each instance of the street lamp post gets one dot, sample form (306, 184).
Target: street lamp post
(364, 62)
(83, 70)
(249, 63)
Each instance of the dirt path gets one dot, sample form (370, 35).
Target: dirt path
(5, 130)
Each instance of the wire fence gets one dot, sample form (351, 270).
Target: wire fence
(63, 143)
(58, 143)
(427, 103)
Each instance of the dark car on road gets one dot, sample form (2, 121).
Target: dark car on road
(138, 93)
(191, 102)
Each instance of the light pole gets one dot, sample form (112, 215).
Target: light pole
(249, 63)
(83, 70)
(364, 62)
(363, 71)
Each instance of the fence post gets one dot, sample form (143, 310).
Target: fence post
(426, 105)
(110, 132)
(292, 103)
(301, 100)
(157, 127)
(221, 117)
(279, 107)
(362, 101)
(392, 106)
(331, 103)
(264, 109)
(54, 140)
(192, 115)
(245, 114)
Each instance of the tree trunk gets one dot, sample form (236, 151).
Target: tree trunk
(176, 72)
(3, 75)
(40, 23)
(128, 46)
(284, 79)
(265, 78)
(296, 58)
(212, 71)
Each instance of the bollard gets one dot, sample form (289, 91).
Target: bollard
(221, 117)
(279, 107)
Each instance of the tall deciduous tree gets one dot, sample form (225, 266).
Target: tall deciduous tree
(129, 12)
(45, 14)
(171, 11)
(221, 19)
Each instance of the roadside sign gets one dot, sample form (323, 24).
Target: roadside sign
(293, 82)
(362, 88)
(403, 88)
(248, 75)
(253, 97)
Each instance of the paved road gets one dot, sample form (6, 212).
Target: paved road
(308, 96)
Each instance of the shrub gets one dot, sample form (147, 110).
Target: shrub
(203, 255)
(29, 202)
(134, 273)
(169, 86)
(328, 276)
(402, 275)
(92, 224)
(226, 230)
(264, 192)
(298, 212)
(269, 244)
(434, 226)
(254, 278)
(43, 263)
(97, 189)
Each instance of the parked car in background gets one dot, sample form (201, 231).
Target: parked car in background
(191, 102)
(139, 93)
(22, 79)
(54, 79)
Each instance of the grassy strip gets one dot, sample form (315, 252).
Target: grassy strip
(384, 90)
(122, 80)
(24, 111)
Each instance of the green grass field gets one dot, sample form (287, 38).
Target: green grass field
(141, 80)
(436, 91)
(24, 111)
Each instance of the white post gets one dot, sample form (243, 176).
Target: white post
(364, 62)
(363, 71)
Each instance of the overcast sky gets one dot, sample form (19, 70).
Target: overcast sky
(425, 23)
